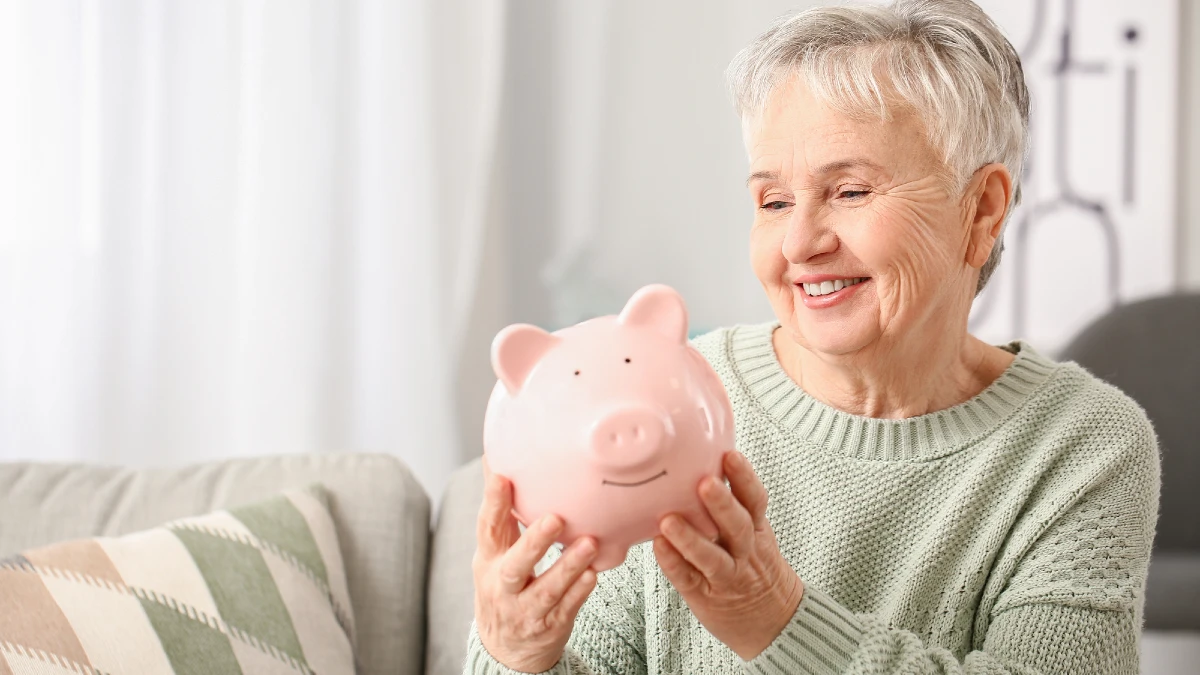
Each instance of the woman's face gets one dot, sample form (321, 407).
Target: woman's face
(860, 206)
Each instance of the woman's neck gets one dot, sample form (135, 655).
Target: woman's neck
(890, 381)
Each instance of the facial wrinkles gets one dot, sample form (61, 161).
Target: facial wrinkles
(911, 280)
(917, 205)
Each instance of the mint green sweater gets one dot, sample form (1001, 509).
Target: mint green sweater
(1008, 534)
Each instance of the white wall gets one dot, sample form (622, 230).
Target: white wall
(1189, 165)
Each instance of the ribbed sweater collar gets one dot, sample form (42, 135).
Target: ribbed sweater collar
(913, 439)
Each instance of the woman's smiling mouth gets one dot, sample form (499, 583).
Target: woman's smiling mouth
(822, 293)
(826, 287)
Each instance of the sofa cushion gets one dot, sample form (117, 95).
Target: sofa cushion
(381, 514)
(258, 588)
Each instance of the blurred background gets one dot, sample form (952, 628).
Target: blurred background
(233, 228)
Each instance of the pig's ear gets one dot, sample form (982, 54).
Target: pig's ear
(658, 307)
(516, 350)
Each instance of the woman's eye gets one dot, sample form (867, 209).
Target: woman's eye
(853, 195)
(775, 206)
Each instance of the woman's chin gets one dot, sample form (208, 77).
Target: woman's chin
(835, 340)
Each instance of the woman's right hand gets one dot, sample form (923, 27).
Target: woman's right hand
(524, 622)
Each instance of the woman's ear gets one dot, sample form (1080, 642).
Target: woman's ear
(990, 196)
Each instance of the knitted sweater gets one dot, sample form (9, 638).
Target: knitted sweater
(1008, 534)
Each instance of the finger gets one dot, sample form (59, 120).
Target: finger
(548, 590)
(678, 570)
(734, 523)
(496, 529)
(710, 559)
(746, 486)
(518, 563)
(564, 612)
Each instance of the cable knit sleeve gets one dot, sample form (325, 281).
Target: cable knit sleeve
(609, 635)
(1073, 602)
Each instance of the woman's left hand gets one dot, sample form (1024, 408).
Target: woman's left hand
(740, 587)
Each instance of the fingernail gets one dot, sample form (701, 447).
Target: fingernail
(550, 524)
(671, 525)
(587, 548)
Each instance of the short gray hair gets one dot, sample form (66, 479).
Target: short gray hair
(945, 59)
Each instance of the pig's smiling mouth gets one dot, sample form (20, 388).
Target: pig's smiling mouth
(656, 476)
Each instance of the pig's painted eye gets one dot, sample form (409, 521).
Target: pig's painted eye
(577, 372)
(627, 359)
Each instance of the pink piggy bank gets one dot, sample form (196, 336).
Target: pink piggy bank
(611, 423)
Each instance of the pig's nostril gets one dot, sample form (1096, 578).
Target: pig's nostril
(637, 433)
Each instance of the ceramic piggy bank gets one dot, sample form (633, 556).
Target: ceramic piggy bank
(611, 423)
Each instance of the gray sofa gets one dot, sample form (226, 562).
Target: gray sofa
(381, 512)
(411, 588)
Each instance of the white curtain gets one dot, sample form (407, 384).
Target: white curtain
(242, 227)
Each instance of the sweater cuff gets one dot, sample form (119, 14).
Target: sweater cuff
(821, 638)
(480, 662)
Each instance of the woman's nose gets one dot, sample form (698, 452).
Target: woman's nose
(807, 238)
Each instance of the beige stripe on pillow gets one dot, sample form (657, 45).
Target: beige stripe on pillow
(39, 624)
(25, 662)
(258, 662)
(84, 556)
(180, 579)
(312, 628)
(111, 625)
(320, 522)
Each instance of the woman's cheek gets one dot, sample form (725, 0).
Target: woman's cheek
(766, 253)
(899, 262)
(904, 239)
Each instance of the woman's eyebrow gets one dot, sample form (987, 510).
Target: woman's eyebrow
(762, 175)
(842, 164)
(824, 169)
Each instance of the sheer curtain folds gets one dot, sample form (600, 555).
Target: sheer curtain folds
(225, 226)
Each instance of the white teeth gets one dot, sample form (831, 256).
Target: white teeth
(827, 287)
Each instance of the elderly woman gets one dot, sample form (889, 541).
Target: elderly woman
(904, 498)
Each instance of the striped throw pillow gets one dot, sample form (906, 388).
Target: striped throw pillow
(256, 589)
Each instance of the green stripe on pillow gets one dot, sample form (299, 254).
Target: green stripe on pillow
(278, 521)
(194, 647)
(240, 583)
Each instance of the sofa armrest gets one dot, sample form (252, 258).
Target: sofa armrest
(1173, 591)
(451, 590)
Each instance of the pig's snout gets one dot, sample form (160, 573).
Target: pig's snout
(629, 437)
